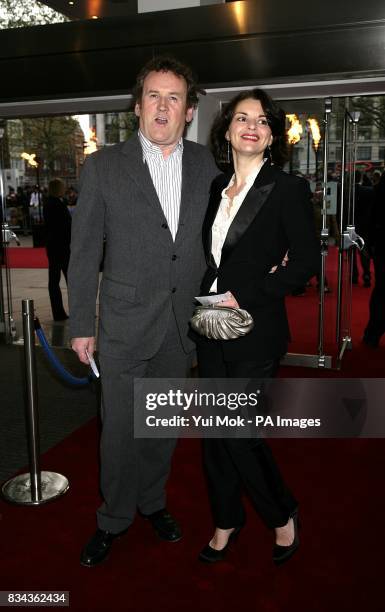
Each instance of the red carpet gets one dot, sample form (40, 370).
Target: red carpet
(24, 257)
(339, 484)
(339, 566)
(303, 313)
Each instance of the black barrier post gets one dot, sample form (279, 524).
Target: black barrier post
(36, 487)
(32, 400)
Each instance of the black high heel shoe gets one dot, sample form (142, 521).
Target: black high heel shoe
(281, 554)
(210, 555)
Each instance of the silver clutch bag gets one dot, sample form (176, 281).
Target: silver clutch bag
(221, 322)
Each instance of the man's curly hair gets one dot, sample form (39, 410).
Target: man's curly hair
(167, 63)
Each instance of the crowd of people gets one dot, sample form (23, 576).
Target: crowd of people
(24, 206)
(49, 208)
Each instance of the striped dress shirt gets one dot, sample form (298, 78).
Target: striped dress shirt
(166, 176)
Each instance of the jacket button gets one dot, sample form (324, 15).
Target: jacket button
(173, 290)
(174, 257)
(164, 225)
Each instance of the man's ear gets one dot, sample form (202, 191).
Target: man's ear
(137, 109)
(189, 114)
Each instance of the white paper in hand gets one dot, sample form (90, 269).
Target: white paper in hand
(93, 365)
(207, 300)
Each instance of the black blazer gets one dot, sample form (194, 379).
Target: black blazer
(57, 220)
(276, 216)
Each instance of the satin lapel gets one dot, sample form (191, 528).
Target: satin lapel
(215, 199)
(138, 171)
(251, 206)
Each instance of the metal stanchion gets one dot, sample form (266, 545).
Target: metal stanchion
(36, 487)
(349, 238)
(324, 238)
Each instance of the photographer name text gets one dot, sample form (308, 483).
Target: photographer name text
(231, 422)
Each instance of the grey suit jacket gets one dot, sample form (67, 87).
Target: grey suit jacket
(146, 274)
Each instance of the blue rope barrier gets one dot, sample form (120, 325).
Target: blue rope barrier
(67, 376)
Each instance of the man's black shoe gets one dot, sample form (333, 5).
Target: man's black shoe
(165, 525)
(97, 549)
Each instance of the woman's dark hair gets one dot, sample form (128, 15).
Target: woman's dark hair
(274, 115)
(167, 63)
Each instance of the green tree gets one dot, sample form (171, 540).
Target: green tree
(372, 109)
(50, 138)
(4, 146)
(122, 126)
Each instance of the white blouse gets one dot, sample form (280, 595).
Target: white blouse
(227, 210)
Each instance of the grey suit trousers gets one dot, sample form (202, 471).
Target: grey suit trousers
(134, 471)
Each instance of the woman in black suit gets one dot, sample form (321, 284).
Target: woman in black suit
(260, 244)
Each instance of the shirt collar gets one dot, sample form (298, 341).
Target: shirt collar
(149, 148)
(249, 179)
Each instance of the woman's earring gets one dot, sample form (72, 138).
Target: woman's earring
(270, 155)
(228, 152)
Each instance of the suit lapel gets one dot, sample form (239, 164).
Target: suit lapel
(190, 170)
(215, 199)
(251, 206)
(138, 171)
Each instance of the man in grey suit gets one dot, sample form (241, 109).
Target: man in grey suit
(148, 197)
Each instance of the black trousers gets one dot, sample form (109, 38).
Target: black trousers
(376, 324)
(134, 471)
(365, 263)
(57, 263)
(237, 464)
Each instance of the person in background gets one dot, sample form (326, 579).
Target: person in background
(35, 203)
(72, 198)
(58, 238)
(22, 203)
(363, 205)
(375, 327)
(376, 177)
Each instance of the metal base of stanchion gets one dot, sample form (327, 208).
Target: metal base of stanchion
(307, 361)
(18, 489)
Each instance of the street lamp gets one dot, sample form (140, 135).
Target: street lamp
(30, 158)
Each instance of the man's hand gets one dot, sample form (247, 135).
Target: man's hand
(80, 345)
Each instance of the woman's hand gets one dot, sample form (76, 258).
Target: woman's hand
(230, 303)
(283, 263)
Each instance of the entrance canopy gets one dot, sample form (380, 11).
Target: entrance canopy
(228, 45)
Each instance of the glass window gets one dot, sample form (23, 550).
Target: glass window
(365, 133)
(364, 153)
